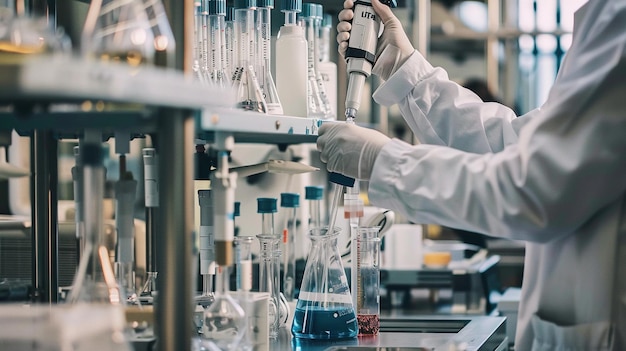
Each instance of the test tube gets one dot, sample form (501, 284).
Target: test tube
(268, 242)
(315, 195)
(317, 24)
(291, 202)
(243, 262)
(368, 282)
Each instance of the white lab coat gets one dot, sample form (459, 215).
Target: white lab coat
(555, 177)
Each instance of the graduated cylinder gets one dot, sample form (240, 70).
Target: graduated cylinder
(368, 281)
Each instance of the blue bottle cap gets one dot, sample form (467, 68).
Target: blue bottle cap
(237, 212)
(319, 13)
(217, 7)
(327, 21)
(291, 200)
(291, 5)
(313, 192)
(266, 205)
(341, 179)
(230, 13)
(265, 3)
(245, 4)
(309, 10)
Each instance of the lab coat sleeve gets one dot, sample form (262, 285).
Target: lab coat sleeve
(441, 112)
(568, 164)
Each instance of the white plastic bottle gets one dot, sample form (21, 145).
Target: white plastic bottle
(291, 62)
(328, 69)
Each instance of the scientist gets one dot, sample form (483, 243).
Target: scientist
(555, 177)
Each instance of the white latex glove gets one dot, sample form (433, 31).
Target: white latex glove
(394, 47)
(349, 149)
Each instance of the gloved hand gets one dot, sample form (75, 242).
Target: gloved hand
(394, 47)
(349, 149)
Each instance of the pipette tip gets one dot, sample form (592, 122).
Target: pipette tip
(350, 113)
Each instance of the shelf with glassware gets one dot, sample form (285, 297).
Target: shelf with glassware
(67, 94)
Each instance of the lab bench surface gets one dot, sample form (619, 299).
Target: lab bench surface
(434, 333)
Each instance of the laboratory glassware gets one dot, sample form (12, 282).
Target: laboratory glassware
(198, 37)
(326, 68)
(164, 43)
(229, 42)
(118, 31)
(324, 309)
(353, 211)
(225, 322)
(243, 262)
(249, 94)
(291, 62)
(283, 306)
(368, 281)
(125, 189)
(315, 101)
(94, 281)
(151, 199)
(217, 43)
(268, 244)
(264, 57)
(291, 202)
(317, 24)
(21, 36)
(314, 194)
(207, 244)
(267, 281)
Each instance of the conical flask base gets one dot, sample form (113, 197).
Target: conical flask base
(249, 94)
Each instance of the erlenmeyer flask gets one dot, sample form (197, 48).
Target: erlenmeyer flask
(94, 280)
(224, 320)
(249, 94)
(324, 309)
(118, 31)
(164, 43)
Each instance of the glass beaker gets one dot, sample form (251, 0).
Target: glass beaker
(324, 309)
(368, 281)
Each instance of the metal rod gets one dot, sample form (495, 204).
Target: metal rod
(44, 217)
(151, 265)
(174, 306)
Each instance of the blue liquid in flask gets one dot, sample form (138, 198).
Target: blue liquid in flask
(316, 322)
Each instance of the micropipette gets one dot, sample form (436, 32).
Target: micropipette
(361, 51)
